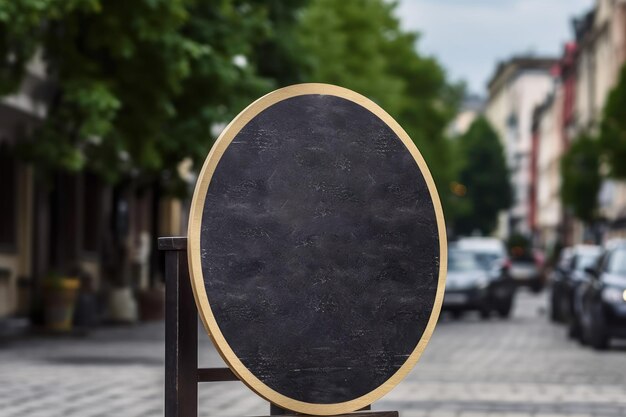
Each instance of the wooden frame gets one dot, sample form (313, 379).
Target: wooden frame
(195, 266)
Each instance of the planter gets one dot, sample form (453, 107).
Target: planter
(59, 302)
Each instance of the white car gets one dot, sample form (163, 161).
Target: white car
(487, 249)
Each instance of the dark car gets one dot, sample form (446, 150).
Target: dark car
(473, 285)
(568, 274)
(527, 268)
(602, 299)
(501, 288)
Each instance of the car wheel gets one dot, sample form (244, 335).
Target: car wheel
(484, 313)
(554, 310)
(573, 329)
(536, 287)
(598, 337)
(457, 314)
(598, 340)
(505, 311)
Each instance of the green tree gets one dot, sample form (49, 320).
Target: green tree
(222, 81)
(484, 186)
(360, 45)
(278, 55)
(613, 129)
(581, 178)
(116, 66)
(141, 85)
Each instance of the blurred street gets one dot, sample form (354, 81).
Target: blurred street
(110, 109)
(521, 367)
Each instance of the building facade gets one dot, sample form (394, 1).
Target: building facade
(19, 113)
(516, 88)
(60, 222)
(546, 212)
(552, 130)
(601, 36)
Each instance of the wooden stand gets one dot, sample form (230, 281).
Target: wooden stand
(182, 374)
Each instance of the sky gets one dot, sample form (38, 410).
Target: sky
(469, 37)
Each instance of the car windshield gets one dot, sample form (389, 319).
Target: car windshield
(486, 259)
(585, 260)
(462, 261)
(617, 262)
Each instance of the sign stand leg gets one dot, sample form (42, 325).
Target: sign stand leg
(181, 333)
(182, 374)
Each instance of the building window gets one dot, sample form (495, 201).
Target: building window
(8, 199)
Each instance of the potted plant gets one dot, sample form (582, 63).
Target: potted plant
(59, 301)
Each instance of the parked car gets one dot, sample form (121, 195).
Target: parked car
(527, 268)
(568, 274)
(488, 250)
(491, 254)
(472, 286)
(602, 299)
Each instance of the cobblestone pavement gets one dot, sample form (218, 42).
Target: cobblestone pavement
(520, 367)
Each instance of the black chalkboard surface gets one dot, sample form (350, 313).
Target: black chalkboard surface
(317, 249)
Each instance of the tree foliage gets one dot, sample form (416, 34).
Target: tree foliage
(116, 66)
(139, 85)
(613, 129)
(225, 78)
(278, 55)
(581, 179)
(484, 187)
(360, 45)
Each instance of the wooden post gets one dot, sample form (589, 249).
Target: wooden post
(181, 332)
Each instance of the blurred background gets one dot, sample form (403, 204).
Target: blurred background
(108, 108)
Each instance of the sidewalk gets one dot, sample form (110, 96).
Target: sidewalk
(113, 371)
(523, 367)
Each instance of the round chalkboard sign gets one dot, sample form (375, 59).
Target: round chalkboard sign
(317, 249)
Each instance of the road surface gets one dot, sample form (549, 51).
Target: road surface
(520, 367)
